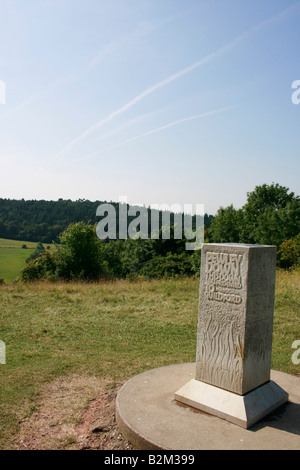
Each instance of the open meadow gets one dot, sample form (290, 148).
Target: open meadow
(13, 257)
(106, 333)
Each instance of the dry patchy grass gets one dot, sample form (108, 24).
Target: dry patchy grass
(71, 345)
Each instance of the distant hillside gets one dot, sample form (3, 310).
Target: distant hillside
(44, 220)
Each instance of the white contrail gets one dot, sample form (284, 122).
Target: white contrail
(153, 131)
(179, 121)
(129, 123)
(172, 78)
(134, 101)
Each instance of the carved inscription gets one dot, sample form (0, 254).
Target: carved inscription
(223, 270)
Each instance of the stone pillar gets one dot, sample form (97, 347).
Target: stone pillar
(234, 339)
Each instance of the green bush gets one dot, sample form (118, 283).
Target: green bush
(289, 253)
(42, 267)
(169, 266)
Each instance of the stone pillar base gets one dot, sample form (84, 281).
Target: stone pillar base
(243, 410)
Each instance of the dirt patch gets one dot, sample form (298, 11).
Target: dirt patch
(74, 413)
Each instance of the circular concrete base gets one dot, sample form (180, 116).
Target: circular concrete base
(150, 418)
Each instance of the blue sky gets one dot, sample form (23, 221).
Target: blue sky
(162, 101)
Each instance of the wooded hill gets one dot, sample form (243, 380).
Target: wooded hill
(43, 221)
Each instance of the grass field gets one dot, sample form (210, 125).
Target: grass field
(113, 330)
(13, 257)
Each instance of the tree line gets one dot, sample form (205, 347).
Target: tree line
(271, 216)
(44, 221)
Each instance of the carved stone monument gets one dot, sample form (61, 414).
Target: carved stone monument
(234, 339)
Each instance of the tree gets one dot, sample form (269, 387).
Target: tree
(226, 226)
(79, 254)
(274, 196)
(271, 215)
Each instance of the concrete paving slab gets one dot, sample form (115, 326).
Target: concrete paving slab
(149, 416)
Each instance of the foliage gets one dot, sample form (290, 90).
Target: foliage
(46, 220)
(79, 254)
(37, 252)
(151, 258)
(226, 226)
(289, 253)
(42, 267)
(169, 266)
(195, 260)
(271, 216)
(82, 256)
(77, 257)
